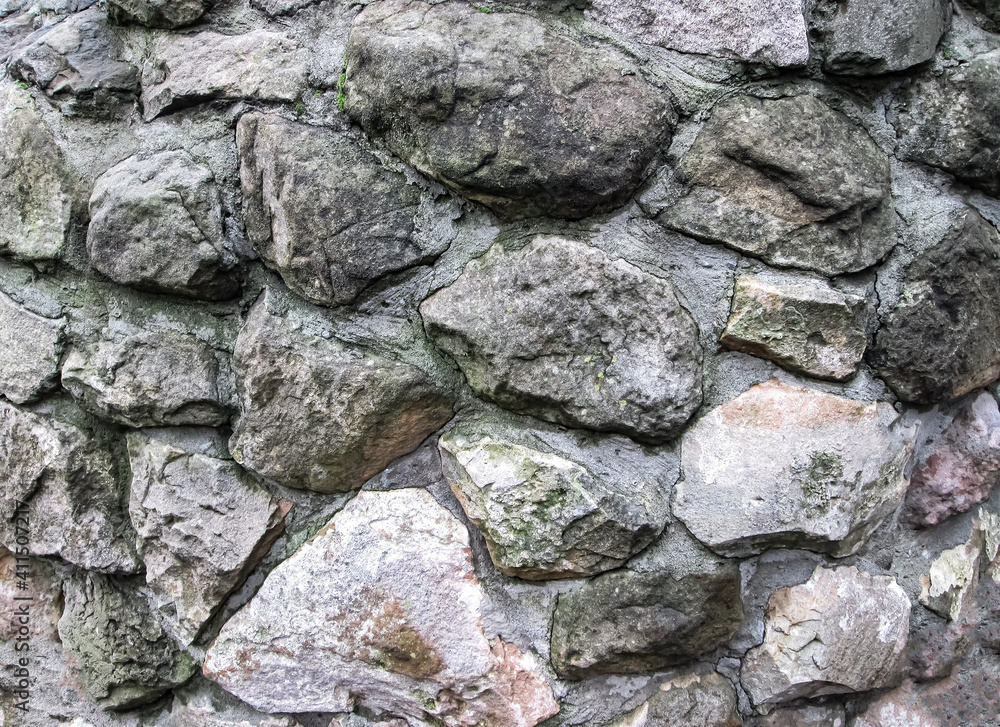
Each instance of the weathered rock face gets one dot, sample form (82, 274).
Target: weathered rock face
(953, 577)
(401, 633)
(319, 415)
(958, 469)
(676, 603)
(808, 716)
(772, 33)
(938, 342)
(835, 469)
(27, 585)
(324, 212)
(968, 698)
(545, 514)
(558, 127)
(157, 13)
(555, 330)
(71, 483)
(156, 224)
(260, 64)
(148, 379)
(789, 181)
(202, 522)
(816, 632)
(802, 324)
(203, 704)
(30, 346)
(987, 14)
(125, 657)
(692, 700)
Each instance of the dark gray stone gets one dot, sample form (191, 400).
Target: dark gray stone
(987, 13)
(166, 14)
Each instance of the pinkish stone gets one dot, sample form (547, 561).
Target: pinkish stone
(967, 699)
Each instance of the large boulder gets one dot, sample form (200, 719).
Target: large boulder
(834, 469)
(323, 212)
(382, 610)
(557, 127)
(30, 346)
(561, 331)
(168, 14)
(790, 181)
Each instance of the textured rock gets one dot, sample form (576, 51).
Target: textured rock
(31, 582)
(321, 415)
(71, 483)
(692, 700)
(558, 127)
(816, 632)
(772, 32)
(967, 699)
(952, 577)
(156, 224)
(324, 212)
(203, 704)
(677, 602)
(987, 14)
(801, 324)
(382, 606)
(149, 379)
(202, 523)
(30, 346)
(545, 514)
(789, 181)
(939, 340)
(834, 471)
(808, 716)
(125, 657)
(167, 14)
(261, 64)
(560, 331)
(958, 469)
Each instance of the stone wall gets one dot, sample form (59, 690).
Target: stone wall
(566, 362)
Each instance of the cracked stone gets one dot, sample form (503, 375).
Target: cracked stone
(30, 346)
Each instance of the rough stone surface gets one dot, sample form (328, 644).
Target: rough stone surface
(30, 346)
(203, 704)
(987, 14)
(816, 632)
(692, 700)
(938, 341)
(561, 331)
(772, 33)
(73, 488)
(324, 212)
(958, 469)
(547, 514)
(261, 64)
(23, 577)
(156, 224)
(202, 523)
(148, 379)
(167, 14)
(559, 127)
(392, 622)
(808, 716)
(834, 470)
(801, 324)
(790, 181)
(967, 699)
(952, 578)
(676, 603)
(320, 415)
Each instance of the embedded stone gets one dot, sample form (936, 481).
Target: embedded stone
(156, 224)
(203, 704)
(966, 698)
(790, 181)
(321, 415)
(167, 14)
(692, 700)
(986, 14)
(31, 582)
(815, 632)
(806, 716)
(559, 128)
(802, 324)
(953, 576)
(381, 610)
(562, 332)
(937, 343)
(834, 470)
(323, 212)
(30, 346)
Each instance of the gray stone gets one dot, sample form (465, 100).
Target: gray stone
(167, 14)
(261, 65)
(561, 331)
(802, 324)
(834, 470)
(772, 33)
(30, 346)
(816, 634)
(987, 14)
(321, 415)
(383, 609)
(203, 524)
(324, 212)
(558, 128)
(673, 604)
(692, 700)
(806, 716)
(968, 698)
(125, 657)
(155, 378)
(156, 224)
(74, 490)
(789, 181)
(203, 704)
(939, 341)
(551, 513)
